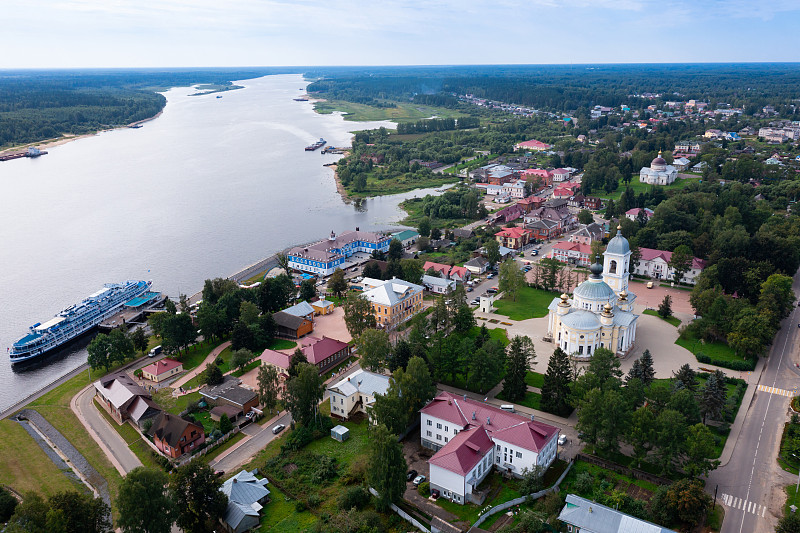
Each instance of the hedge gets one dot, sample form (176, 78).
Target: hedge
(747, 364)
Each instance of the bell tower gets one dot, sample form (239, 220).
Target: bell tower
(616, 262)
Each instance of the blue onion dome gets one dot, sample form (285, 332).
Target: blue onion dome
(619, 244)
(596, 269)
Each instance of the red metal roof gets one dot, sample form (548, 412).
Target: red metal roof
(648, 254)
(161, 367)
(513, 233)
(322, 349)
(277, 359)
(464, 451)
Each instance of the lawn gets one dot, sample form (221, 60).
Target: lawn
(496, 334)
(280, 516)
(530, 303)
(25, 467)
(196, 354)
(281, 344)
(132, 438)
(222, 447)
(671, 319)
(535, 379)
(792, 498)
(531, 399)
(500, 492)
(404, 112)
(715, 350)
(639, 187)
(403, 183)
(172, 405)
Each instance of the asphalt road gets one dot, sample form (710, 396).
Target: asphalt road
(751, 485)
(115, 447)
(243, 453)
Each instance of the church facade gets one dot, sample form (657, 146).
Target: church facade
(600, 313)
(658, 173)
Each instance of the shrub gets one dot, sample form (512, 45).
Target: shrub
(326, 470)
(354, 498)
(193, 408)
(300, 506)
(356, 473)
(314, 500)
(425, 489)
(584, 483)
(225, 424)
(8, 503)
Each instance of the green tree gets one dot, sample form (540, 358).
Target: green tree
(556, 386)
(790, 523)
(336, 283)
(358, 314)
(512, 279)
(420, 388)
(145, 485)
(8, 503)
(670, 437)
(372, 270)
(492, 248)
(602, 373)
(590, 415)
(485, 366)
(268, 387)
(169, 305)
(713, 396)
(519, 357)
(464, 319)
(386, 470)
(225, 425)
(685, 378)
(373, 348)
(641, 433)
(78, 512)
(412, 270)
(777, 296)
(213, 375)
(700, 451)
(614, 421)
(198, 500)
(99, 350)
(283, 262)
(248, 313)
(30, 516)
(178, 333)
(665, 307)
(121, 346)
(298, 357)
(585, 216)
(611, 210)
(688, 500)
(240, 358)
(395, 250)
(424, 227)
(680, 262)
(139, 340)
(390, 409)
(303, 394)
(308, 290)
(212, 321)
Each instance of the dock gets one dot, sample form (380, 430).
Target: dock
(134, 312)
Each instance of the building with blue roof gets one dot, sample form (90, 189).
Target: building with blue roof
(324, 257)
(585, 516)
(246, 496)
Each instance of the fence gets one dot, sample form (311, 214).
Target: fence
(522, 499)
(624, 470)
(186, 460)
(410, 519)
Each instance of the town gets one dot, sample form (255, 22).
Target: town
(587, 328)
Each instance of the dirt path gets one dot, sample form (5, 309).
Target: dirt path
(192, 373)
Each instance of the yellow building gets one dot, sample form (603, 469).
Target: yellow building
(394, 301)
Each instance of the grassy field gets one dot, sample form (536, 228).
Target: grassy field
(25, 467)
(404, 112)
(280, 516)
(282, 344)
(639, 187)
(414, 209)
(500, 492)
(195, 354)
(216, 452)
(715, 350)
(535, 379)
(671, 319)
(399, 184)
(132, 438)
(530, 303)
(174, 405)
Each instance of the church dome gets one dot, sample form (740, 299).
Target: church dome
(581, 320)
(619, 244)
(659, 163)
(593, 290)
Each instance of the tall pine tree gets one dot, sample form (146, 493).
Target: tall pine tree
(519, 355)
(556, 390)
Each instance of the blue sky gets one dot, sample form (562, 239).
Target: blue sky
(143, 33)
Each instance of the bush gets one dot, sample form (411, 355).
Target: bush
(314, 500)
(354, 498)
(193, 408)
(326, 470)
(425, 489)
(356, 473)
(584, 483)
(300, 506)
(8, 503)
(225, 424)
(744, 365)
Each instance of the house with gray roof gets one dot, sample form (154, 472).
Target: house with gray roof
(356, 393)
(229, 398)
(302, 309)
(246, 497)
(123, 398)
(585, 516)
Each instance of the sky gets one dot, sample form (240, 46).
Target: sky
(204, 33)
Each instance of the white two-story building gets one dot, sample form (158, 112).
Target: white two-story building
(356, 393)
(470, 436)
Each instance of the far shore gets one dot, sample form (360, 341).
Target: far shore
(58, 141)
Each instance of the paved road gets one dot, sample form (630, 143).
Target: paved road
(750, 485)
(107, 438)
(249, 448)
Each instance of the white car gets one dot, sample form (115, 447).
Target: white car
(562, 440)
(277, 429)
(419, 479)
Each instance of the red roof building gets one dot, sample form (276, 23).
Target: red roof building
(161, 370)
(655, 264)
(574, 253)
(455, 273)
(514, 238)
(325, 352)
(470, 436)
(533, 144)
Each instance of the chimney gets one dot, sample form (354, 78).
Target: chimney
(449, 401)
(474, 417)
(488, 421)
(532, 418)
(357, 228)
(234, 480)
(465, 397)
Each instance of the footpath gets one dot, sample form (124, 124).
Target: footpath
(202, 366)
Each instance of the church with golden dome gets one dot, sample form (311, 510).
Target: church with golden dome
(600, 313)
(658, 173)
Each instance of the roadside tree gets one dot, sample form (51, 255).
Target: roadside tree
(556, 386)
(213, 375)
(492, 252)
(386, 470)
(358, 315)
(680, 262)
(240, 358)
(336, 283)
(303, 394)
(199, 502)
(373, 348)
(512, 279)
(139, 340)
(308, 290)
(519, 356)
(268, 387)
(585, 216)
(145, 485)
(665, 307)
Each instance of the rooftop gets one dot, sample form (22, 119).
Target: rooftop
(362, 381)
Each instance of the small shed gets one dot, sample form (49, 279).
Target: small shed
(340, 433)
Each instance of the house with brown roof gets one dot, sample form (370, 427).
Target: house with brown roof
(326, 352)
(229, 398)
(162, 370)
(124, 399)
(174, 436)
(290, 326)
(470, 437)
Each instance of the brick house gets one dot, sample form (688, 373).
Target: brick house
(514, 238)
(174, 436)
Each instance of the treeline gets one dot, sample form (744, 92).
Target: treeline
(438, 124)
(40, 105)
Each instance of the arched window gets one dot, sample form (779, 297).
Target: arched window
(612, 267)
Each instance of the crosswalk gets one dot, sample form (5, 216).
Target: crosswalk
(776, 390)
(744, 505)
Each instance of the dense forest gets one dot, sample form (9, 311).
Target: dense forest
(571, 87)
(39, 105)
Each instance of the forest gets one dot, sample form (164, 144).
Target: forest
(38, 105)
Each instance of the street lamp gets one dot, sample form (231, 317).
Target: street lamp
(797, 488)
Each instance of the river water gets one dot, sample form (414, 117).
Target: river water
(209, 187)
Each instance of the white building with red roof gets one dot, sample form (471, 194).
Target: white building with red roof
(574, 253)
(633, 214)
(470, 436)
(161, 370)
(561, 174)
(655, 264)
(533, 144)
(455, 273)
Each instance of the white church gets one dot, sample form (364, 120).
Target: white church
(600, 313)
(659, 172)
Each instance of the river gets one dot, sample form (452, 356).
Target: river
(207, 188)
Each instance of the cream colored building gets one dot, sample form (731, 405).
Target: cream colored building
(394, 301)
(600, 313)
(658, 173)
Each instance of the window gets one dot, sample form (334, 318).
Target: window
(438, 437)
(438, 426)
(430, 423)
(446, 429)
(445, 439)
(429, 433)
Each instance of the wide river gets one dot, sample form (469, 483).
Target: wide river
(209, 187)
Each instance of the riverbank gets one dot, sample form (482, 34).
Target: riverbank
(58, 141)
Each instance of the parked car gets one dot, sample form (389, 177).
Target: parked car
(562, 440)
(411, 475)
(476, 301)
(277, 429)
(535, 252)
(155, 351)
(419, 479)
(491, 290)
(470, 289)
(435, 493)
(489, 275)
(250, 415)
